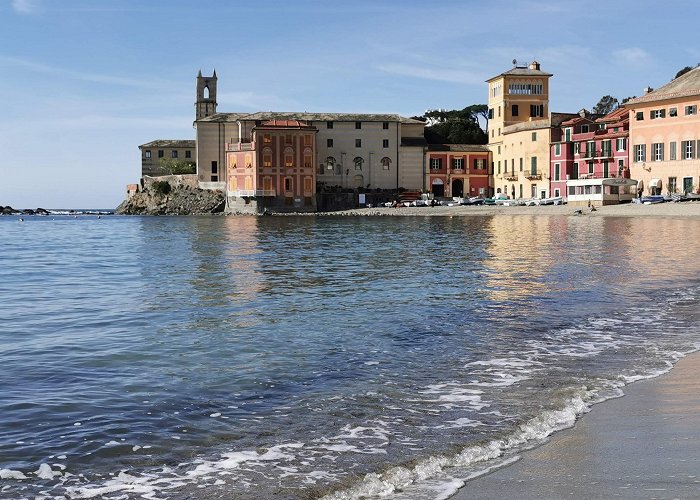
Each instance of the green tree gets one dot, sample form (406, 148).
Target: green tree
(459, 126)
(682, 72)
(606, 104)
(173, 166)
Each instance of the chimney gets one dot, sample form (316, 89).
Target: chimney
(535, 65)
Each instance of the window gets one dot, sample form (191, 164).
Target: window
(308, 140)
(188, 154)
(521, 164)
(358, 163)
(173, 153)
(567, 134)
(385, 143)
(577, 148)
(657, 113)
(673, 112)
(534, 136)
(640, 152)
(536, 110)
(329, 143)
(557, 149)
(499, 150)
(329, 124)
(658, 149)
(691, 110)
(557, 193)
(289, 161)
(358, 143)
(288, 184)
(590, 149)
(385, 125)
(687, 150)
(330, 163)
(490, 113)
(672, 150)
(672, 185)
(557, 171)
(514, 110)
(215, 178)
(590, 168)
(620, 166)
(267, 139)
(499, 167)
(435, 163)
(160, 153)
(621, 143)
(457, 163)
(308, 160)
(606, 148)
(267, 160)
(640, 115)
(386, 163)
(584, 129)
(512, 165)
(147, 153)
(288, 139)
(214, 167)
(533, 165)
(358, 125)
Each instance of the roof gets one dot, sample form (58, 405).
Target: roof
(170, 143)
(460, 148)
(319, 117)
(520, 71)
(554, 120)
(618, 115)
(684, 86)
(287, 124)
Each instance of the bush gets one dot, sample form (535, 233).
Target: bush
(161, 187)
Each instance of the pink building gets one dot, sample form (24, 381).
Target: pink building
(457, 170)
(589, 154)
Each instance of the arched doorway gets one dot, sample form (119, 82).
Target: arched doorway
(438, 187)
(457, 187)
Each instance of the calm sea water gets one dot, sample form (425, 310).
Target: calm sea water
(292, 357)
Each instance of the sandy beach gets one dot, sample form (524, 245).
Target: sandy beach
(684, 209)
(642, 445)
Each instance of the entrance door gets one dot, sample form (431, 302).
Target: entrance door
(438, 187)
(687, 185)
(457, 187)
(533, 191)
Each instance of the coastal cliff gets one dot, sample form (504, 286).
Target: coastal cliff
(168, 198)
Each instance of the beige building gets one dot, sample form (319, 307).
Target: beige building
(352, 150)
(520, 125)
(153, 152)
(665, 137)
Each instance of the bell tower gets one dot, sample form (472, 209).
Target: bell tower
(206, 96)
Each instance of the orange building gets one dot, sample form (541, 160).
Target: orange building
(273, 169)
(665, 137)
(457, 170)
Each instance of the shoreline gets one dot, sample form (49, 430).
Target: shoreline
(641, 445)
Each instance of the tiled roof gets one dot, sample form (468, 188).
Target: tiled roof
(323, 117)
(554, 120)
(170, 143)
(460, 148)
(619, 114)
(684, 86)
(519, 71)
(296, 124)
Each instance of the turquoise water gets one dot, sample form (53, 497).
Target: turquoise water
(293, 357)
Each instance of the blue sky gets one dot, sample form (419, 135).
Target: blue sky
(84, 82)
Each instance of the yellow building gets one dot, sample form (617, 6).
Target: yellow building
(665, 137)
(520, 125)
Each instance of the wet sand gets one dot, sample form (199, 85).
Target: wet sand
(643, 445)
(684, 209)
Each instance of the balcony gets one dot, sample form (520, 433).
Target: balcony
(250, 193)
(597, 153)
(240, 146)
(511, 176)
(533, 175)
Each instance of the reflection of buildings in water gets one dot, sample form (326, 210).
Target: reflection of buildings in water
(519, 254)
(243, 268)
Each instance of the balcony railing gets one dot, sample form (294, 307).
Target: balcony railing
(240, 146)
(598, 153)
(533, 175)
(248, 193)
(511, 176)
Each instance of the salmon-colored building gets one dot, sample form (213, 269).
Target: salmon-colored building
(457, 170)
(665, 137)
(274, 168)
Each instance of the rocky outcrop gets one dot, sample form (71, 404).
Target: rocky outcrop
(157, 199)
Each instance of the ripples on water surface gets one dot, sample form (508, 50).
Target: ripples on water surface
(295, 357)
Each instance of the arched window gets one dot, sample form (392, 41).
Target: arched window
(386, 162)
(206, 92)
(358, 162)
(330, 163)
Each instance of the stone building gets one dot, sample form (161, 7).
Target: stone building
(166, 149)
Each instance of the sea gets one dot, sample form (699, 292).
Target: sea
(300, 357)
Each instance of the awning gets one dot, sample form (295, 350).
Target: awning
(655, 183)
(619, 181)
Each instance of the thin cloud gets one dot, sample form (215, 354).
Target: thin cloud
(435, 74)
(633, 56)
(26, 6)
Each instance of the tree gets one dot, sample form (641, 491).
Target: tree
(682, 72)
(606, 104)
(459, 126)
(172, 166)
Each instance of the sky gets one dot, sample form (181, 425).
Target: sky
(84, 82)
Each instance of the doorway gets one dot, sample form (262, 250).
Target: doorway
(457, 187)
